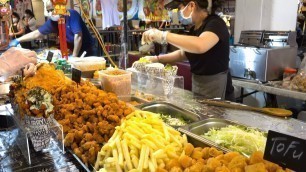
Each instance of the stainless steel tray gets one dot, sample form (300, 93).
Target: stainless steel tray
(132, 98)
(170, 109)
(195, 130)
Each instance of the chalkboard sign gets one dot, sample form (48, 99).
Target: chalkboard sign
(286, 151)
(76, 75)
(50, 56)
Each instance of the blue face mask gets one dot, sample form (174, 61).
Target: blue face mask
(184, 20)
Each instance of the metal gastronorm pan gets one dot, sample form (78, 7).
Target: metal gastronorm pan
(169, 109)
(195, 130)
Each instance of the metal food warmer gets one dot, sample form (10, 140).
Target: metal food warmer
(263, 55)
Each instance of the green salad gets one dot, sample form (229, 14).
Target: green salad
(240, 139)
(177, 121)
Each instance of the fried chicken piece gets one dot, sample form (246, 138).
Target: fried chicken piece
(69, 139)
(80, 120)
(256, 157)
(98, 137)
(231, 155)
(84, 159)
(86, 146)
(127, 111)
(113, 118)
(213, 163)
(213, 152)
(205, 153)
(196, 154)
(92, 155)
(196, 167)
(88, 137)
(173, 163)
(271, 167)
(176, 169)
(185, 161)
(93, 119)
(188, 149)
(259, 167)
(73, 118)
(160, 170)
(78, 152)
(237, 162)
(74, 145)
(222, 169)
(90, 126)
(79, 102)
(78, 135)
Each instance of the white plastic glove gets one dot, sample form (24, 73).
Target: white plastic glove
(154, 35)
(152, 59)
(29, 70)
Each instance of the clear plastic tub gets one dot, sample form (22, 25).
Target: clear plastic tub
(88, 63)
(117, 81)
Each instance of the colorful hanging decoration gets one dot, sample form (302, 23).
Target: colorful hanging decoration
(98, 9)
(60, 9)
(153, 10)
(132, 8)
(5, 16)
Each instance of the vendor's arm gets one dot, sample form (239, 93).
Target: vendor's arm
(77, 44)
(45, 29)
(194, 44)
(30, 36)
(175, 56)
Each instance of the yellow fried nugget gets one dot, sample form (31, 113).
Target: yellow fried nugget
(238, 162)
(256, 157)
(259, 167)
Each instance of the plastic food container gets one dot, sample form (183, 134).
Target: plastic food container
(117, 81)
(88, 63)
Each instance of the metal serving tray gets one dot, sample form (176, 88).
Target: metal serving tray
(128, 99)
(195, 130)
(169, 109)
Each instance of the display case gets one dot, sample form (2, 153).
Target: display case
(159, 86)
(37, 138)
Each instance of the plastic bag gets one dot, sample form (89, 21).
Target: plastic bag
(298, 83)
(14, 59)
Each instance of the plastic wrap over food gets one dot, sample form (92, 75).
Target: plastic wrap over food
(14, 59)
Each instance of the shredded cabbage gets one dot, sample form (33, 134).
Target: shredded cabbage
(243, 140)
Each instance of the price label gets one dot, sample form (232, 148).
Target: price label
(50, 56)
(76, 75)
(286, 151)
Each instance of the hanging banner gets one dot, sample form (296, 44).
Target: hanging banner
(98, 8)
(153, 10)
(132, 8)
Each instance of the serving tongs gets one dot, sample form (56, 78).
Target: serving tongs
(269, 111)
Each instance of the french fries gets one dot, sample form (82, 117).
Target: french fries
(142, 143)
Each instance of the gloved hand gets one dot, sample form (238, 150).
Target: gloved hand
(14, 43)
(29, 70)
(153, 59)
(154, 35)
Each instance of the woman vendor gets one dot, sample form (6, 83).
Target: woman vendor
(206, 47)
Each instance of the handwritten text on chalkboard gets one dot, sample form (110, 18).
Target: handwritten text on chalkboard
(287, 151)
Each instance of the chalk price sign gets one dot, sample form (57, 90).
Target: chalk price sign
(286, 151)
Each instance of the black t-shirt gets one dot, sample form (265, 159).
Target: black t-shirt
(215, 60)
